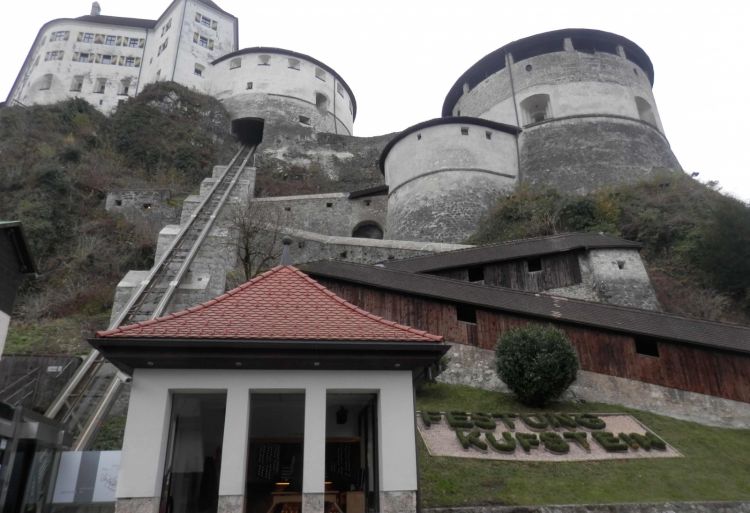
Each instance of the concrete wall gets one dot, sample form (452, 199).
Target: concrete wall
(475, 367)
(32, 85)
(280, 92)
(150, 206)
(612, 276)
(146, 431)
(442, 182)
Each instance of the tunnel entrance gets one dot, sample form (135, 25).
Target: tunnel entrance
(248, 130)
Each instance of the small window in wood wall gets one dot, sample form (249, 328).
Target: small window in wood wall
(476, 274)
(466, 313)
(647, 346)
(534, 264)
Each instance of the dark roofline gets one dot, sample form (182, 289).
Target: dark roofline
(378, 190)
(118, 20)
(509, 250)
(495, 61)
(131, 353)
(450, 120)
(23, 253)
(727, 337)
(291, 53)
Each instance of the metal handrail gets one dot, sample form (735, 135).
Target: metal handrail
(13, 384)
(115, 385)
(91, 358)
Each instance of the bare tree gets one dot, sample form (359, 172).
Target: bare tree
(257, 237)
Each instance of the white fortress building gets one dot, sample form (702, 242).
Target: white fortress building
(106, 59)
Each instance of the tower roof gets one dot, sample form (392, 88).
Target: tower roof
(281, 304)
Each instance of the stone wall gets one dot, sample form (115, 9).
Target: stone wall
(582, 154)
(475, 367)
(327, 214)
(151, 206)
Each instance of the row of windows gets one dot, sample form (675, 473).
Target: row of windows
(115, 60)
(166, 27)
(110, 40)
(203, 41)
(60, 35)
(206, 21)
(162, 46)
(76, 85)
(57, 55)
(292, 63)
(464, 131)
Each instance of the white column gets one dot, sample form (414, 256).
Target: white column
(235, 445)
(313, 471)
(144, 443)
(398, 455)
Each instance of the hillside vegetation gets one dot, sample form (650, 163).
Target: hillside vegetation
(696, 241)
(56, 164)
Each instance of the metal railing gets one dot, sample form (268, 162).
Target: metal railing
(170, 269)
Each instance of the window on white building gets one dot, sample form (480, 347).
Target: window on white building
(46, 82)
(320, 74)
(644, 110)
(101, 85)
(56, 55)
(249, 85)
(133, 42)
(109, 59)
(235, 63)
(110, 40)
(87, 37)
(76, 85)
(293, 64)
(340, 89)
(61, 35)
(130, 61)
(536, 108)
(83, 57)
(321, 102)
(264, 60)
(199, 69)
(124, 88)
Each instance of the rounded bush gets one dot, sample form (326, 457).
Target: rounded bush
(536, 362)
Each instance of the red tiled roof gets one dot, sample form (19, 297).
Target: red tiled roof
(281, 304)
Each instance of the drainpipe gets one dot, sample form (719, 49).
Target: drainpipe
(179, 39)
(509, 65)
(335, 125)
(143, 63)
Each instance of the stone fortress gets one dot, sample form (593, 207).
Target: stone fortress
(572, 108)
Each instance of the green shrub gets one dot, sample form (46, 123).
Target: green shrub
(536, 362)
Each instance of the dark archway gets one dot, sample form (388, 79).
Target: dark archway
(248, 130)
(368, 230)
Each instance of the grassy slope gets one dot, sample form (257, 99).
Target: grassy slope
(716, 463)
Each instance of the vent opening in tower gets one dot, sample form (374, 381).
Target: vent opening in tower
(248, 130)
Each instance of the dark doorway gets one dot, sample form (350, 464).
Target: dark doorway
(351, 484)
(248, 130)
(275, 457)
(368, 230)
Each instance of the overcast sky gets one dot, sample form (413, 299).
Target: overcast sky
(400, 57)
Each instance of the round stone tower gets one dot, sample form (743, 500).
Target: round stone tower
(584, 99)
(444, 174)
(281, 86)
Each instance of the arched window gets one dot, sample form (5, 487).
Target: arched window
(368, 230)
(321, 102)
(644, 110)
(536, 108)
(235, 63)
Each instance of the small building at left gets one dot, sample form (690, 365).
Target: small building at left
(276, 394)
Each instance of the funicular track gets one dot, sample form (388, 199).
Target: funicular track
(88, 396)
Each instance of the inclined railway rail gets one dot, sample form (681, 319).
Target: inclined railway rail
(89, 395)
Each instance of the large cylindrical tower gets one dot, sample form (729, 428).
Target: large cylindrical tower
(282, 86)
(584, 99)
(444, 174)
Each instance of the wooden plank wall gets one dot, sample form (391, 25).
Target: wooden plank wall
(558, 270)
(685, 367)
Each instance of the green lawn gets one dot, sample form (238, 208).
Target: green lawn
(715, 466)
